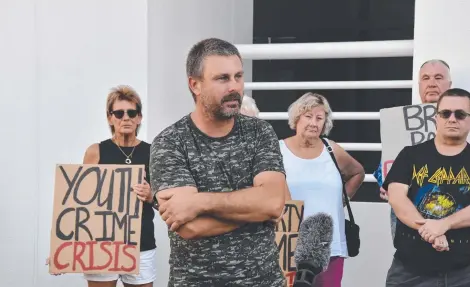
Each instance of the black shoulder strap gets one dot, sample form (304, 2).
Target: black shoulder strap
(346, 198)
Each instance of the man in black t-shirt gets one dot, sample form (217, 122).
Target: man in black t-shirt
(220, 180)
(434, 78)
(429, 190)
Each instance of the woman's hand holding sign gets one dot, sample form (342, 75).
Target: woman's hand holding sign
(143, 191)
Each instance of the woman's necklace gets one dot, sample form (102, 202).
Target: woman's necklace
(128, 157)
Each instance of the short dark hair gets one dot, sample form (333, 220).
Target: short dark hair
(454, 92)
(203, 49)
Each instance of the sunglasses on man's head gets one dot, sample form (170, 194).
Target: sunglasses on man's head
(119, 114)
(459, 114)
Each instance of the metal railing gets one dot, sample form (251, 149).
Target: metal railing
(333, 50)
(361, 146)
(330, 50)
(340, 85)
(364, 116)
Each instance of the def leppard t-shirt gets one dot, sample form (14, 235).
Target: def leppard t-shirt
(439, 186)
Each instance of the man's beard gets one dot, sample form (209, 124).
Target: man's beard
(220, 112)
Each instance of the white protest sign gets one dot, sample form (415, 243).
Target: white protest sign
(405, 126)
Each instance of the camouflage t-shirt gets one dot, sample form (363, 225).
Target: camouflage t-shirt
(182, 155)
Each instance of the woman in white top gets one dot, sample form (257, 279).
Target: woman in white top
(313, 177)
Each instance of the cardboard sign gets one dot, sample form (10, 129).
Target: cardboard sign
(405, 126)
(287, 232)
(96, 222)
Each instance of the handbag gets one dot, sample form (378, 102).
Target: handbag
(353, 240)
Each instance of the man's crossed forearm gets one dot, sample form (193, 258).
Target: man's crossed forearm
(194, 214)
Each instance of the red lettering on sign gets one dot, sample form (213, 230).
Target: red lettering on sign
(110, 255)
(56, 256)
(131, 257)
(290, 276)
(77, 257)
(79, 248)
(116, 256)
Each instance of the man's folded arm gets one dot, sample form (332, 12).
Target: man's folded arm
(402, 206)
(202, 226)
(206, 226)
(265, 201)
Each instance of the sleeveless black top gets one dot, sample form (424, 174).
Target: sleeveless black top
(110, 154)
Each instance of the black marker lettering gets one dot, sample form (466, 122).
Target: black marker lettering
(416, 115)
(122, 224)
(109, 198)
(130, 231)
(139, 179)
(294, 212)
(105, 224)
(417, 137)
(70, 183)
(80, 223)
(122, 187)
(58, 231)
(282, 247)
(429, 112)
(100, 180)
(290, 251)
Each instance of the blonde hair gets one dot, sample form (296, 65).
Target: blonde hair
(123, 93)
(249, 107)
(306, 103)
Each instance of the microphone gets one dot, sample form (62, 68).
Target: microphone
(312, 254)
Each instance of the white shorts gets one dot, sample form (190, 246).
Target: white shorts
(147, 272)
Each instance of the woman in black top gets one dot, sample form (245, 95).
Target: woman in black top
(124, 113)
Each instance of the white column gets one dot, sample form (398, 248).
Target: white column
(18, 145)
(442, 31)
(174, 26)
(58, 61)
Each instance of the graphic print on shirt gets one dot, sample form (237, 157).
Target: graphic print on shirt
(442, 192)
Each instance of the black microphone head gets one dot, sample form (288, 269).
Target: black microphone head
(314, 241)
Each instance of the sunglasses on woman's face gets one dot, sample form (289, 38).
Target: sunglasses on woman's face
(459, 114)
(119, 114)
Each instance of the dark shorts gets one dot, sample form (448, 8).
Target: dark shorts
(399, 276)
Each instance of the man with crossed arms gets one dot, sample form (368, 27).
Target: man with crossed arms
(434, 79)
(220, 180)
(429, 190)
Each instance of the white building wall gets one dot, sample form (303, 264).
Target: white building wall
(442, 31)
(58, 61)
(19, 156)
(174, 27)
